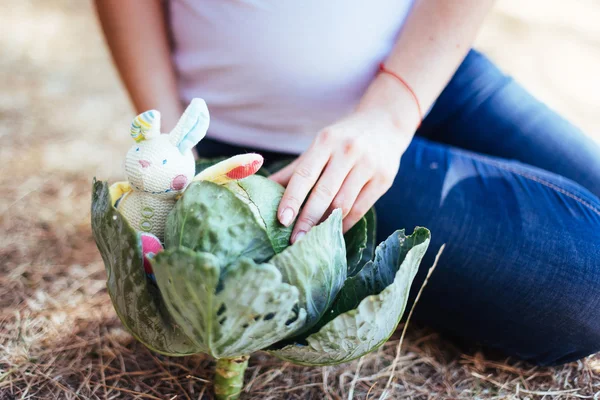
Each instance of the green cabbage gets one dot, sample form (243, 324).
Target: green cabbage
(229, 284)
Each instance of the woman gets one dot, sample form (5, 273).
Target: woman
(387, 105)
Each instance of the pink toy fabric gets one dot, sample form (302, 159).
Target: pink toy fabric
(244, 171)
(150, 247)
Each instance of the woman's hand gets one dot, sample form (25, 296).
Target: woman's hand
(354, 161)
(349, 165)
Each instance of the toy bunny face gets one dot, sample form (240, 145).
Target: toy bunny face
(164, 163)
(157, 166)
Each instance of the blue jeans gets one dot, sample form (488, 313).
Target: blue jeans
(513, 190)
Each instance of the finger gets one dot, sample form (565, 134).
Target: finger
(283, 175)
(371, 192)
(351, 188)
(303, 178)
(322, 195)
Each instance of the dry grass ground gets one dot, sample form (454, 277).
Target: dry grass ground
(62, 113)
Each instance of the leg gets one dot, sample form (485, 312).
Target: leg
(521, 269)
(484, 111)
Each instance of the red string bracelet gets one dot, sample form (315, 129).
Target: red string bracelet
(383, 69)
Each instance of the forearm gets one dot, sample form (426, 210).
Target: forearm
(136, 34)
(435, 39)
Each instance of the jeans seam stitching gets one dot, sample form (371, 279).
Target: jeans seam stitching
(541, 181)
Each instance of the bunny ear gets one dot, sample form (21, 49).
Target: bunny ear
(145, 126)
(191, 127)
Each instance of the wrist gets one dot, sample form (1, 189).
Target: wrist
(394, 100)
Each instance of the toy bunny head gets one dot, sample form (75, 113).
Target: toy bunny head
(163, 164)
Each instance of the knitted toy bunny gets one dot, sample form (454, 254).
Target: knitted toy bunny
(159, 168)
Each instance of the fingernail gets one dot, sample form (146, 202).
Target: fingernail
(299, 236)
(286, 216)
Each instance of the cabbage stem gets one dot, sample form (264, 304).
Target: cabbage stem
(229, 377)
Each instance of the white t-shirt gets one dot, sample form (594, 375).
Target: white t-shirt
(275, 72)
